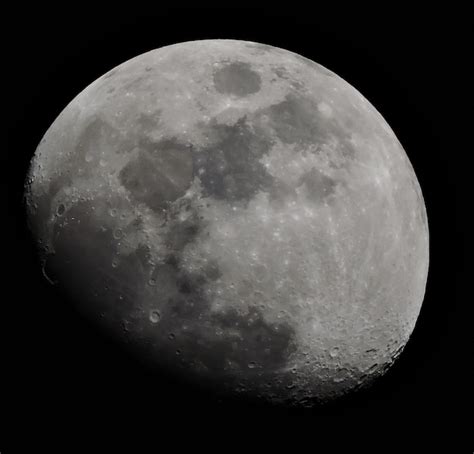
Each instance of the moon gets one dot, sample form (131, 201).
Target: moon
(237, 214)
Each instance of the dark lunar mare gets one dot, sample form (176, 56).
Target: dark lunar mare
(237, 78)
(230, 168)
(297, 120)
(159, 174)
(231, 350)
(230, 345)
(214, 348)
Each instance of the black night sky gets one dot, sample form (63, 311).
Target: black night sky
(66, 383)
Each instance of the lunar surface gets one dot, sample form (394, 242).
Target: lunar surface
(239, 215)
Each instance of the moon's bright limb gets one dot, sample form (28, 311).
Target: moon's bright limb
(240, 214)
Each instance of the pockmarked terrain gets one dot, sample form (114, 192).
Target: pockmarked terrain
(239, 214)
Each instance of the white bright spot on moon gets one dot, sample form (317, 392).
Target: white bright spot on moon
(325, 109)
(155, 316)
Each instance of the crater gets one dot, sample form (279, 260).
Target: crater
(83, 263)
(40, 204)
(237, 79)
(283, 73)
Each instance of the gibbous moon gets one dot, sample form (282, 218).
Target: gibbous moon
(238, 214)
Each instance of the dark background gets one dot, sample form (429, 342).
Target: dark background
(65, 382)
